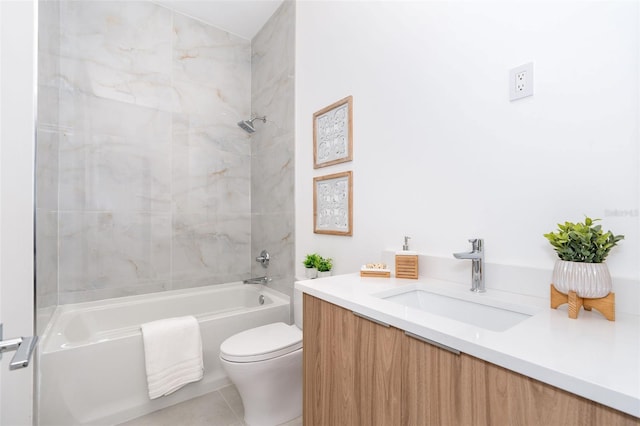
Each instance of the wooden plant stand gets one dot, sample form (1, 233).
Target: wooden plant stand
(605, 305)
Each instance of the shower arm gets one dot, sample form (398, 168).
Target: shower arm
(247, 125)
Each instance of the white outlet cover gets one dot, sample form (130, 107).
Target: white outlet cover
(521, 82)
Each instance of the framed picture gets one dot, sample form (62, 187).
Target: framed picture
(333, 204)
(333, 134)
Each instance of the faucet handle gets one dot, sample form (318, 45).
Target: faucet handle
(476, 243)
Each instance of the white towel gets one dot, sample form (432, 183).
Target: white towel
(172, 354)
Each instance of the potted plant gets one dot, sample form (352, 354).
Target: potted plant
(582, 249)
(324, 267)
(311, 265)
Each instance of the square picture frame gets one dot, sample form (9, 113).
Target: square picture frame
(333, 134)
(333, 204)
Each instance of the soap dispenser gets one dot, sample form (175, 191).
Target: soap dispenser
(406, 262)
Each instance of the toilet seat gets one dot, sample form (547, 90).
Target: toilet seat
(262, 343)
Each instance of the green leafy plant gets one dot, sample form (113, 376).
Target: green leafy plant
(312, 260)
(583, 242)
(324, 264)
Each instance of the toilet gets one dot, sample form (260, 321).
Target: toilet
(265, 365)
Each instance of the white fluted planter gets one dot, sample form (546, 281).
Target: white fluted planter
(590, 280)
(310, 273)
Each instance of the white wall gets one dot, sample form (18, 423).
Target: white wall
(17, 127)
(440, 153)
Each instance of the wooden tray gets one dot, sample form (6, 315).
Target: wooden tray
(375, 274)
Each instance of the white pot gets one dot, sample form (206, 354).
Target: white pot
(324, 274)
(590, 280)
(310, 273)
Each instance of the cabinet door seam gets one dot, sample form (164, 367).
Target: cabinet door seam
(432, 342)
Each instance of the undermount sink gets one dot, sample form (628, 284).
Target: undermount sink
(479, 312)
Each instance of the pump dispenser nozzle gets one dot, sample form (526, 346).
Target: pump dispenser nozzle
(405, 247)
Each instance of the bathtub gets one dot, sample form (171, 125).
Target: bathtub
(91, 359)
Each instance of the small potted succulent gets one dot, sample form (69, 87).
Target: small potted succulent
(324, 267)
(582, 249)
(311, 265)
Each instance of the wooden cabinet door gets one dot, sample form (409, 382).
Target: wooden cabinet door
(495, 396)
(329, 364)
(430, 385)
(442, 388)
(484, 393)
(351, 368)
(378, 377)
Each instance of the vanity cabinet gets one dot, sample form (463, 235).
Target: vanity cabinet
(359, 372)
(352, 366)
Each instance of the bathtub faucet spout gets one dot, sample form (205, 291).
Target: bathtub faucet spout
(258, 280)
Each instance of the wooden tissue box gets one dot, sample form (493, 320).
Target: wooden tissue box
(407, 266)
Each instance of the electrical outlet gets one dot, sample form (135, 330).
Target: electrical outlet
(521, 82)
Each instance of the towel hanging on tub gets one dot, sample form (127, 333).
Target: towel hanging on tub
(172, 354)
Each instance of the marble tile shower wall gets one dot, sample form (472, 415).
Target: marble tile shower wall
(272, 61)
(153, 175)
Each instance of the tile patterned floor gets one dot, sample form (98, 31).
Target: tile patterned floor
(220, 408)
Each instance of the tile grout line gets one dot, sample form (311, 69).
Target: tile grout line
(241, 419)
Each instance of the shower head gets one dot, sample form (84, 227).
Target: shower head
(247, 125)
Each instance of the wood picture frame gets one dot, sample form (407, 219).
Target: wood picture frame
(333, 134)
(333, 204)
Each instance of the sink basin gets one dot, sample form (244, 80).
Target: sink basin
(477, 313)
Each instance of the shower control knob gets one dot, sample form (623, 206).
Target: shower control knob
(264, 258)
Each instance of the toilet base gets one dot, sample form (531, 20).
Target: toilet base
(271, 390)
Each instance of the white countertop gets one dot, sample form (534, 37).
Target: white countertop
(589, 356)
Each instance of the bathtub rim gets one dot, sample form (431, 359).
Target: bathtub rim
(60, 310)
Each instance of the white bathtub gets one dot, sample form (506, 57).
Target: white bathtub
(91, 359)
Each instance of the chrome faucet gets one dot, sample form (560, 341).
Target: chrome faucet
(257, 280)
(477, 264)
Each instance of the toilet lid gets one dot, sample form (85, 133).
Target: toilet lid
(262, 343)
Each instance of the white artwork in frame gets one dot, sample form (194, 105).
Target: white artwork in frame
(333, 204)
(333, 134)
